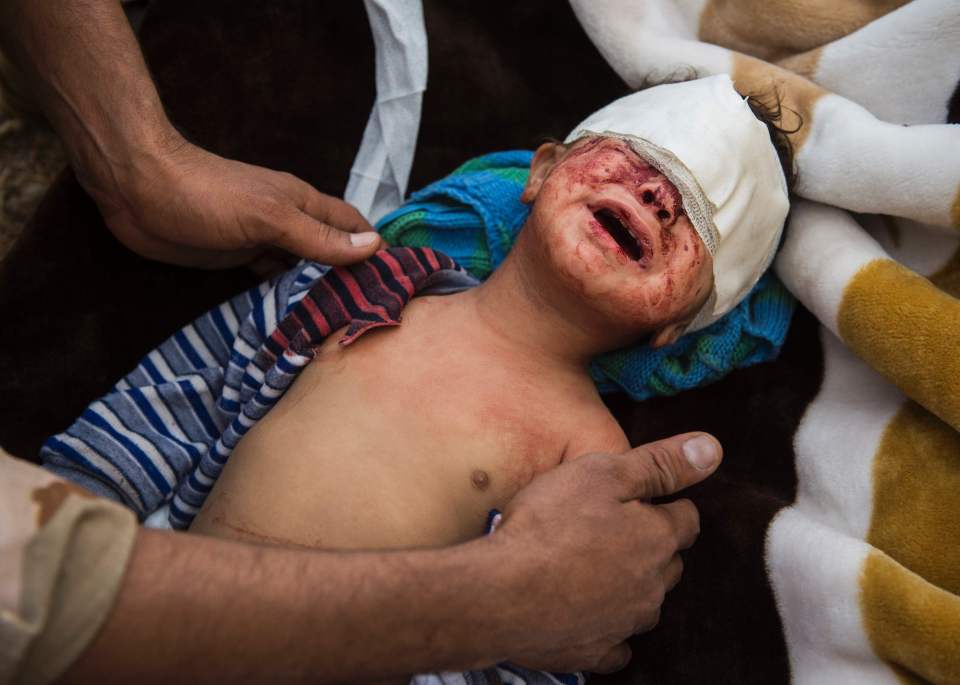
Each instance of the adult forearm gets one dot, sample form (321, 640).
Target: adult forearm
(90, 79)
(160, 195)
(218, 611)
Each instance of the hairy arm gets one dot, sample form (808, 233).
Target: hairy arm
(91, 81)
(160, 195)
(219, 611)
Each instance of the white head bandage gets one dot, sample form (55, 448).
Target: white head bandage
(703, 137)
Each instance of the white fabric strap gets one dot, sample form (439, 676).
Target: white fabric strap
(381, 169)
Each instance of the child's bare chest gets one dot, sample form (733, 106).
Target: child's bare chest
(438, 406)
(405, 438)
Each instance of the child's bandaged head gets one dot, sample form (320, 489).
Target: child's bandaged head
(704, 138)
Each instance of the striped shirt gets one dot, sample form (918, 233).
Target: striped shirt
(164, 432)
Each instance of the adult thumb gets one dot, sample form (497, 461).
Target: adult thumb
(321, 242)
(667, 466)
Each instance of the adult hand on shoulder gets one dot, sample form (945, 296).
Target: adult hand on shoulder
(598, 557)
(190, 207)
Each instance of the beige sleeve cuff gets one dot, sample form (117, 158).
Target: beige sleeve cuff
(72, 567)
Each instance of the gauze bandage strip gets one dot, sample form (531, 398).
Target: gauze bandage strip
(378, 178)
(704, 138)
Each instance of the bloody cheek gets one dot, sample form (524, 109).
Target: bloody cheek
(667, 241)
(682, 283)
(697, 285)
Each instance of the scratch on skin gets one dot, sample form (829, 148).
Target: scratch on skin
(261, 537)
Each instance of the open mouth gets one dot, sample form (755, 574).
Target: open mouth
(619, 232)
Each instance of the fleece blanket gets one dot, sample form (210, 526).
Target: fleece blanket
(864, 563)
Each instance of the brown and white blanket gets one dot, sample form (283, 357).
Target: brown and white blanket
(863, 563)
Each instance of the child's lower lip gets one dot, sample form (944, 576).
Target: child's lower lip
(607, 241)
(623, 228)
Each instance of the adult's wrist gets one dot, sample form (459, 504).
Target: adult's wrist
(452, 608)
(118, 167)
(491, 603)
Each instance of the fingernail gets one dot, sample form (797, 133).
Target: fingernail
(701, 452)
(363, 239)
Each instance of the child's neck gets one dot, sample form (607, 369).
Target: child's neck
(535, 314)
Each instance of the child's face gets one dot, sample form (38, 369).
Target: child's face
(614, 228)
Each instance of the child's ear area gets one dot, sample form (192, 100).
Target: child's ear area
(668, 335)
(544, 159)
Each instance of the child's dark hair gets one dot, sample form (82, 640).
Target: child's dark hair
(771, 114)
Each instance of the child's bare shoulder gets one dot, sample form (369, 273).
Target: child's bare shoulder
(595, 431)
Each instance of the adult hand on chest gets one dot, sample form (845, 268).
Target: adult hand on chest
(599, 557)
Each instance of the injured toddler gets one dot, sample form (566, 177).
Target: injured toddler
(284, 417)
